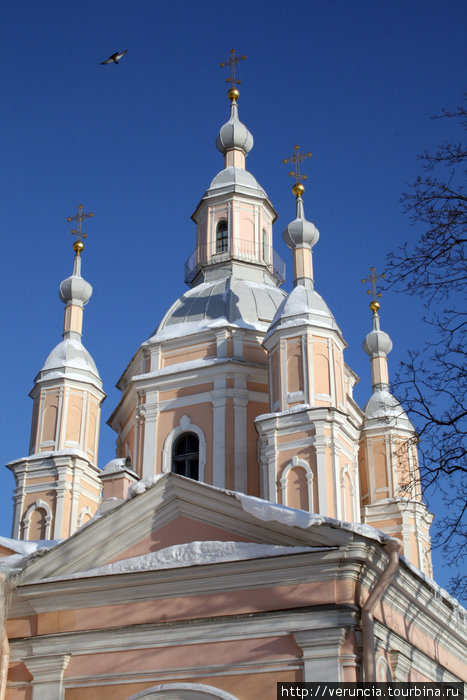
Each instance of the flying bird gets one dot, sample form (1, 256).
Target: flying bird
(114, 58)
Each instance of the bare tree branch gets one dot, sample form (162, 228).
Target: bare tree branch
(432, 382)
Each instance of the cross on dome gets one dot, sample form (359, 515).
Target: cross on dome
(298, 189)
(79, 217)
(372, 279)
(231, 62)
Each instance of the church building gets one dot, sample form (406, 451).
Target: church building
(256, 525)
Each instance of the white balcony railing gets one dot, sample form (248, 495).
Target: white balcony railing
(246, 251)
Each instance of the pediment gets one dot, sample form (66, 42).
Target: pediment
(176, 511)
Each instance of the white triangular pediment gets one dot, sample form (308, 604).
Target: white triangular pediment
(177, 513)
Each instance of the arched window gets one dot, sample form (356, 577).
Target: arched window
(222, 237)
(185, 455)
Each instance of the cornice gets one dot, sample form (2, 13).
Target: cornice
(209, 579)
(187, 632)
(416, 659)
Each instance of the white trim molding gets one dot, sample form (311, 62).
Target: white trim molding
(27, 518)
(185, 426)
(296, 462)
(83, 513)
(182, 691)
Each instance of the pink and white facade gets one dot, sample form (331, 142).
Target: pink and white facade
(250, 529)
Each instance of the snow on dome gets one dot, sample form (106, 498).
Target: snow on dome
(219, 303)
(70, 358)
(384, 409)
(236, 180)
(303, 306)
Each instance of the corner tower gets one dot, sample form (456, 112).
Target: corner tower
(57, 485)
(193, 389)
(308, 442)
(388, 458)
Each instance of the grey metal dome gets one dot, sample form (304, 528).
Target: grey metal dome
(303, 305)
(224, 302)
(75, 289)
(384, 410)
(70, 359)
(300, 231)
(377, 342)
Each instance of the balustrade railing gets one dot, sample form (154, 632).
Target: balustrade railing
(246, 251)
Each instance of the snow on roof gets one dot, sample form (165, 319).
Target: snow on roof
(13, 563)
(265, 510)
(438, 591)
(192, 554)
(293, 409)
(52, 453)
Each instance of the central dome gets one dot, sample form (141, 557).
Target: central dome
(219, 303)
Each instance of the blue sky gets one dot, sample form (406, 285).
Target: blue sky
(353, 81)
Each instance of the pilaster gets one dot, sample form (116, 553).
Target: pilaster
(320, 448)
(151, 414)
(321, 649)
(218, 431)
(240, 402)
(47, 672)
(400, 666)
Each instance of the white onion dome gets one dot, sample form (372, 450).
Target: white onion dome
(234, 135)
(377, 342)
(74, 289)
(300, 232)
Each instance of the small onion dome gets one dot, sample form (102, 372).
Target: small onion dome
(234, 135)
(75, 290)
(377, 342)
(300, 232)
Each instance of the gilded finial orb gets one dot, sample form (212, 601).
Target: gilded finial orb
(233, 94)
(374, 306)
(78, 247)
(298, 189)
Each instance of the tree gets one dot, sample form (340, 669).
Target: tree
(432, 382)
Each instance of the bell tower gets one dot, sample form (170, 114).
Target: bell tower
(57, 485)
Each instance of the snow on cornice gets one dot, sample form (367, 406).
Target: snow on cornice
(196, 553)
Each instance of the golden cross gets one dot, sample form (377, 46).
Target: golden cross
(80, 216)
(232, 62)
(296, 159)
(372, 279)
